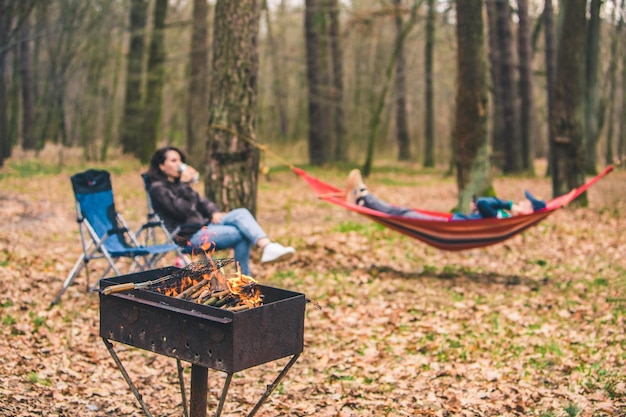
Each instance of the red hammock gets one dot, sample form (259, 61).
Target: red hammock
(445, 234)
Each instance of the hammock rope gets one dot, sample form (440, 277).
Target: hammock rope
(254, 143)
(440, 233)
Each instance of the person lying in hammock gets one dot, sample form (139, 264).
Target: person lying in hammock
(482, 207)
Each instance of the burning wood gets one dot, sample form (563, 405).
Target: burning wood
(203, 282)
(234, 292)
(190, 291)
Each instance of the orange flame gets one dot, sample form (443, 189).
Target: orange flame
(179, 287)
(242, 286)
(245, 287)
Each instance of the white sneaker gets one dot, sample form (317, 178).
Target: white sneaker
(356, 188)
(275, 252)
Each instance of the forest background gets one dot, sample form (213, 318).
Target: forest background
(531, 327)
(103, 75)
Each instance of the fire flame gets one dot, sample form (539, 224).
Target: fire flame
(245, 287)
(242, 291)
(180, 286)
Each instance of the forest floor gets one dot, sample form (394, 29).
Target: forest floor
(534, 326)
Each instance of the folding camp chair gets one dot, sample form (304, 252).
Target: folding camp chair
(104, 233)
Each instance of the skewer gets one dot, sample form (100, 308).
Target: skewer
(193, 270)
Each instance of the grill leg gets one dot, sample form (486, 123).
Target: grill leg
(199, 386)
(272, 387)
(109, 346)
(220, 406)
(181, 382)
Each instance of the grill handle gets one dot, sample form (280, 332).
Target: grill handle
(193, 313)
(111, 289)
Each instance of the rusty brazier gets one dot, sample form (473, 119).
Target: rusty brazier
(205, 336)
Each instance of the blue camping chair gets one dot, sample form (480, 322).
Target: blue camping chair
(104, 233)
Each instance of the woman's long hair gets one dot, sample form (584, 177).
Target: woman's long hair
(154, 171)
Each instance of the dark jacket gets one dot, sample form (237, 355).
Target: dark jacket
(180, 205)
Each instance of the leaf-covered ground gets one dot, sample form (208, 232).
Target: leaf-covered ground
(535, 326)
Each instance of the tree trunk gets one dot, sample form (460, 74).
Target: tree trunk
(130, 130)
(526, 86)
(621, 143)
(568, 113)
(550, 58)
(429, 98)
(107, 138)
(38, 69)
(402, 126)
(338, 120)
(511, 139)
(232, 162)
(612, 82)
(6, 144)
(315, 30)
(279, 87)
(154, 88)
(59, 97)
(592, 127)
(197, 115)
(379, 102)
(472, 162)
(87, 114)
(12, 15)
(28, 89)
(14, 93)
(497, 108)
(360, 52)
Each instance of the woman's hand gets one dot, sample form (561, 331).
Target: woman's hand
(189, 174)
(217, 217)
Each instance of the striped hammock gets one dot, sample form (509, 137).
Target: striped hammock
(445, 234)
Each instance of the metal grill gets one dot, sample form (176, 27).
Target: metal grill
(205, 336)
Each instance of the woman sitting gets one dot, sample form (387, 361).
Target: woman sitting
(201, 220)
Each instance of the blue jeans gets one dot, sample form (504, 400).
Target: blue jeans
(488, 207)
(238, 230)
(377, 204)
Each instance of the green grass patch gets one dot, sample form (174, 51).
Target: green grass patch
(34, 378)
(335, 377)
(600, 282)
(281, 276)
(367, 229)
(8, 320)
(38, 321)
(550, 348)
(29, 169)
(540, 262)
(572, 410)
